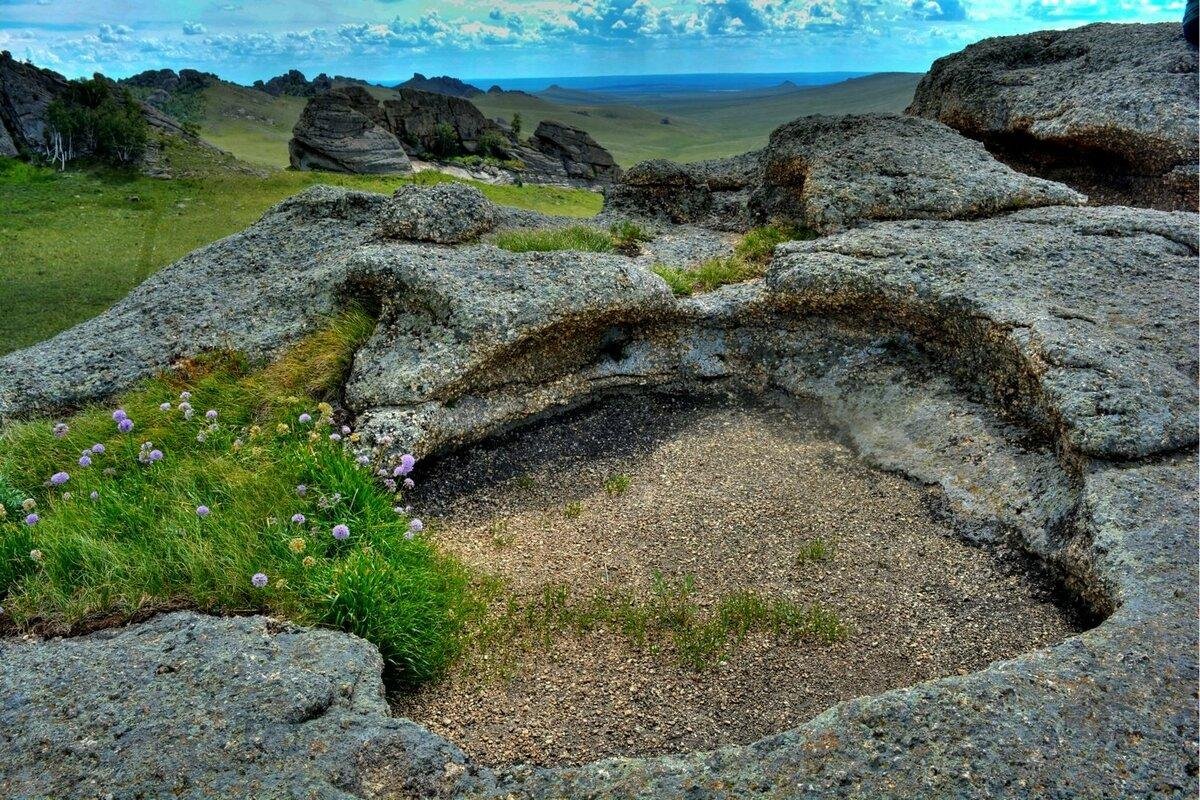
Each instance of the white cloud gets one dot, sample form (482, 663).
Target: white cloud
(193, 28)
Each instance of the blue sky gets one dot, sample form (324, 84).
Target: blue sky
(389, 39)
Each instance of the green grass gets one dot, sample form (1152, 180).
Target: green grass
(750, 258)
(76, 242)
(669, 617)
(575, 237)
(814, 551)
(138, 542)
(616, 485)
(621, 237)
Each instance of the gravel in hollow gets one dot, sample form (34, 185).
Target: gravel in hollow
(727, 491)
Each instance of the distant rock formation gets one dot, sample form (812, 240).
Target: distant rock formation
(1110, 109)
(581, 156)
(417, 118)
(341, 131)
(832, 173)
(295, 84)
(441, 84)
(168, 80)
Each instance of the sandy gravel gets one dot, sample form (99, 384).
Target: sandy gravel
(728, 492)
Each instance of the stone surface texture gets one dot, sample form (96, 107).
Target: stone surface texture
(580, 155)
(1108, 104)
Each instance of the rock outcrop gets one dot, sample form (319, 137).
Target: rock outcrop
(439, 126)
(26, 93)
(295, 84)
(186, 80)
(580, 156)
(448, 213)
(418, 119)
(831, 173)
(1029, 366)
(441, 84)
(260, 709)
(340, 131)
(1111, 109)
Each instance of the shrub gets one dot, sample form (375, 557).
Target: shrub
(445, 140)
(219, 504)
(94, 117)
(516, 124)
(575, 237)
(627, 236)
(492, 144)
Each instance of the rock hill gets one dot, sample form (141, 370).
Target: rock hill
(441, 84)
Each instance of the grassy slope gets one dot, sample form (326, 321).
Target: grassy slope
(251, 124)
(76, 242)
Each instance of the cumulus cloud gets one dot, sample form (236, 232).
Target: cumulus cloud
(193, 28)
(114, 34)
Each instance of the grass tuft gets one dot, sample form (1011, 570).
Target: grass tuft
(575, 237)
(749, 260)
(122, 535)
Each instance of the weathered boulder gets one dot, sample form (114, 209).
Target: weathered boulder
(447, 213)
(580, 155)
(713, 193)
(831, 173)
(1071, 316)
(188, 705)
(417, 118)
(1111, 109)
(340, 131)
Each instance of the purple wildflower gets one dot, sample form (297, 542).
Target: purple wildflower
(185, 395)
(119, 415)
(98, 449)
(202, 511)
(399, 509)
(409, 483)
(164, 407)
(416, 525)
(305, 418)
(298, 519)
(85, 461)
(59, 478)
(259, 580)
(390, 484)
(341, 532)
(211, 414)
(155, 455)
(364, 460)
(60, 430)
(407, 462)
(335, 437)
(302, 490)
(32, 519)
(345, 430)
(125, 425)
(95, 495)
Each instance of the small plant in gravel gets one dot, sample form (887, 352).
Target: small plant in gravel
(699, 636)
(749, 260)
(616, 484)
(228, 488)
(628, 236)
(573, 510)
(814, 551)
